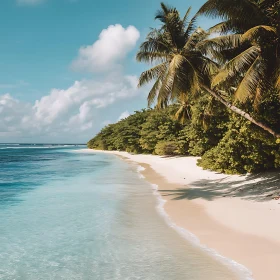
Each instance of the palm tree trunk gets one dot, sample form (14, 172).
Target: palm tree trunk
(241, 112)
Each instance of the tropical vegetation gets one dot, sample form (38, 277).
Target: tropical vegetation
(216, 92)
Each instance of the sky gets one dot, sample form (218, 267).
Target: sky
(68, 68)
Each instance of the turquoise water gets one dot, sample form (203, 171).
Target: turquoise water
(65, 214)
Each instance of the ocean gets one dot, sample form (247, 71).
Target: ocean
(68, 214)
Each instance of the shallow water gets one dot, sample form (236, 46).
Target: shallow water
(70, 215)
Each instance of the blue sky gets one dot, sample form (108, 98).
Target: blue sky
(68, 66)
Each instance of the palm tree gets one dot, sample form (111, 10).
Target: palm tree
(179, 66)
(254, 38)
(176, 62)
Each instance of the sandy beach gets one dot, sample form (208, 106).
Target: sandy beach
(237, 216)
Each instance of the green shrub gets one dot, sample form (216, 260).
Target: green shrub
(160, 126)
(166, 148)
(244, 148)
(208, 125)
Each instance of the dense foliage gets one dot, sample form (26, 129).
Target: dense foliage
(244, 148)
(226, 142)
(138, 133)
(216, 92)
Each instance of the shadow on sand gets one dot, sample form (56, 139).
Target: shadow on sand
(258, 187)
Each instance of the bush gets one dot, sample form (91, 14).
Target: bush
(208, 125)
(244, 148)
(166, 148)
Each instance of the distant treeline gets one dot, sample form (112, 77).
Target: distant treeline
(227, 142)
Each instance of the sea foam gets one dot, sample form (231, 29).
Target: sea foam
(243, 272)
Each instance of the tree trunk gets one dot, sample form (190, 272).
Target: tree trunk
(240, 112)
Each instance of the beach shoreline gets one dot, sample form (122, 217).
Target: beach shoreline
(229, 213)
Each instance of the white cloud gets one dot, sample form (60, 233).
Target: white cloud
(86, 93)
(13, 114)
(124, 115)
(74, 112)
(111, 48)
(70, 111)
(29, 2)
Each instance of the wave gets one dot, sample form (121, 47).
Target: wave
(243, 272)
(139, 170)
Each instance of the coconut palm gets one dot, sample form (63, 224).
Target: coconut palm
(254, 36)
(179, 66)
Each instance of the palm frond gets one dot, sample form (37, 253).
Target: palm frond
(224, 27)
(183, 113)
(251, 81)
(154, 91)
(197, 36)
(237, 65)
(217, 47)
(190, 26)
(166, 89)
(210, 67)
(155, 44)
(245, 11)
(220, 43)
(151, 57)
(190, 78)
(186, 16)
(152, 74)
(174, 29)
(169, 87)
(257, 98)
(256, 32)
(163, 13)
(177, 61)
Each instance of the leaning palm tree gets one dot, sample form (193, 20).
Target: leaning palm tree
(179, 66)
(252, 37)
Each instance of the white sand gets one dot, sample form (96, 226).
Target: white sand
(235, 215)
